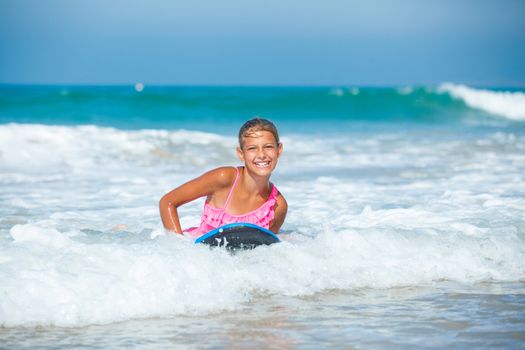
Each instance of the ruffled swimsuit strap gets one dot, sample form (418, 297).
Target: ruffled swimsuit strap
(274, 193)
(231, 192)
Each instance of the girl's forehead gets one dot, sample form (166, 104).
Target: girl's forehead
(259, 136)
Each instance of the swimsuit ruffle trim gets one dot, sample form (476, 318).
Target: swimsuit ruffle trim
(213, 217)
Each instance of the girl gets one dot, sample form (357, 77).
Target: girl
(235, 194)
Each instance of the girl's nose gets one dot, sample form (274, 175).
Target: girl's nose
(261, 152)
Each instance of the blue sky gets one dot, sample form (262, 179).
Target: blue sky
(236, 42)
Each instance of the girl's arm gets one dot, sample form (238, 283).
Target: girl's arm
(205, 185)
(281, 208)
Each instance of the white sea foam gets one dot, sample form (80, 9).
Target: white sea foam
(51, 279)
(354, 91)
(48, 148)
(407, 90)
(506, 104)
(81, 241)
(337, 92)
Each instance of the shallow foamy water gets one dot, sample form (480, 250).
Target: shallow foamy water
(395, 238)
(443, 315)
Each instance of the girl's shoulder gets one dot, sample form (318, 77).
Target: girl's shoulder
(224, 176)
(281, 201)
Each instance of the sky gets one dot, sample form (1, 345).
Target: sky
(271, 42)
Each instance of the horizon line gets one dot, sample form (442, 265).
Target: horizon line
(174, 85)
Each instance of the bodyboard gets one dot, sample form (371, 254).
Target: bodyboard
(238, 236)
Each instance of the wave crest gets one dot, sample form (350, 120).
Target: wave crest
(507, 104)
(34, 147)
(81, 282)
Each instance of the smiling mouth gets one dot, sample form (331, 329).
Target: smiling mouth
(262, 164)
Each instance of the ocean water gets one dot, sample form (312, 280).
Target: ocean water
(405, 230)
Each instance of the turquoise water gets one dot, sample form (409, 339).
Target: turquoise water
(406, 223)
(222, 109)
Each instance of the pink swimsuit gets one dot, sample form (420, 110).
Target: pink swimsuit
(214, 217)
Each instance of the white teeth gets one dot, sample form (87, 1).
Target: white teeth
(262, 164)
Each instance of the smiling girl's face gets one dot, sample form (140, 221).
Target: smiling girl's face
(260, 152)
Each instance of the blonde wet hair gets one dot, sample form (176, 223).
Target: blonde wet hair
(257, 124)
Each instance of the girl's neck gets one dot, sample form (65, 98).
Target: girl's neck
(254, 184)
